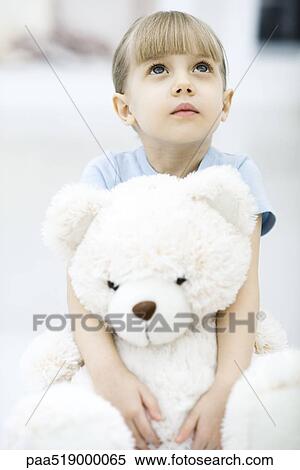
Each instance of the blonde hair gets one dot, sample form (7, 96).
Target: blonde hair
(165, 33)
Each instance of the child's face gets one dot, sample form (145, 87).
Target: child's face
(154, 91)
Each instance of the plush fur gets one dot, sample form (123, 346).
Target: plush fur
(68, 417)
(145, 236)
(272, 422)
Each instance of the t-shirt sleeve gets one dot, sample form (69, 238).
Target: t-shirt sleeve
(92, 175)
(252, 176)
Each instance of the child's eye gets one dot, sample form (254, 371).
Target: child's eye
(207, 67)
(111, 285)
(155, 67)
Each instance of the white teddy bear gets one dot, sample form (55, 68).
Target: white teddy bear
(156, 257)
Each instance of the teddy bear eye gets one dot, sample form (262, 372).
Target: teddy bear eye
(112, 286)
(180, 280)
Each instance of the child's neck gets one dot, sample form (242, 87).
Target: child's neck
(175, 159)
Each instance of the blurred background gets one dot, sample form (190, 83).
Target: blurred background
(44, 142)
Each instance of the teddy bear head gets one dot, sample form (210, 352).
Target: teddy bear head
(156, 254)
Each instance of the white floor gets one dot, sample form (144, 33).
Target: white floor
(45, 144)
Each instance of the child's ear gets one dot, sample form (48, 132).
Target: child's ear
(227, 98)
(69, 216)
(223, 188)
(121, 107)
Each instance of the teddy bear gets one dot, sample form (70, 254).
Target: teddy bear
(155, 259)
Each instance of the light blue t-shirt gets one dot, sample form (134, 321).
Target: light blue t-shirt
(106, 171)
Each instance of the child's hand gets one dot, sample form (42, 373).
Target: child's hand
(204, 420)
(134, 400)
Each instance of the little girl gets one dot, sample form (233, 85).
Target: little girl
(169, 73)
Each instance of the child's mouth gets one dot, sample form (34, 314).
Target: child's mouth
(185, 113)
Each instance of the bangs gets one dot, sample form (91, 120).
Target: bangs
(174, 33)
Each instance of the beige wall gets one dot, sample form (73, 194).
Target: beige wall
(37, 14)
(105, 20)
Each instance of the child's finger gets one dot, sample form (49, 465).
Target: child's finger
(150, 402)
(201, 438)
(199, 443)
(139, 440)
(145, 429)
(186, 428)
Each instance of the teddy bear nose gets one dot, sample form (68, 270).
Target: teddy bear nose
(145, 309)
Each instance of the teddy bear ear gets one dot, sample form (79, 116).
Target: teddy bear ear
(224, 189)
(69, 215)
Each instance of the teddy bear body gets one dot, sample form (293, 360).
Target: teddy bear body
(177, 365)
